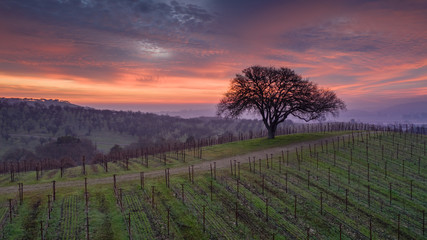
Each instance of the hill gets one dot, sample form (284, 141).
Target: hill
(31, 123)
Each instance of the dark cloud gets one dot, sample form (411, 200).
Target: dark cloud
(105, 31)
(331, 37)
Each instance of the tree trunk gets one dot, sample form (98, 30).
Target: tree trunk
(271, 132)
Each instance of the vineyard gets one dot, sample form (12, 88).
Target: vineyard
(356, 185)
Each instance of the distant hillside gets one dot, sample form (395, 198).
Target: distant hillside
(28, 123)
(411, 112)
(37, 102)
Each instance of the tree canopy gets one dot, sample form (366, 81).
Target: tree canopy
(277, 93)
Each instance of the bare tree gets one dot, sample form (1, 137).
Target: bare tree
(276, 94)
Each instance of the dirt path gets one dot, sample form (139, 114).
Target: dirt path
(202, 166)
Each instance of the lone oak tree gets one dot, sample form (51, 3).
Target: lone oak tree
(276, 93)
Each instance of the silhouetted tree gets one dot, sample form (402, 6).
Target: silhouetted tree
(276, 93)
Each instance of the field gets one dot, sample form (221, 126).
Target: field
(361, 185)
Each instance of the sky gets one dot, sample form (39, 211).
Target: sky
(173, 55)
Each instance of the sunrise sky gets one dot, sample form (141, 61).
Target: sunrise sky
(158, 55)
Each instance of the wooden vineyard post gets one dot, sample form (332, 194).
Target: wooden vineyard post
(41, 230)
(237, 187)
(287, 157)
(53, 190)
(114, 182)
(370, 228)
(329, 176)
(21, 193)
(192, 174)
(231, 168)
(340, 231)
(295, 206)
(308, 233)
(235, 169)
(210, 164)
(254, 161)
(215, 170)
(189, 173)
(263, 182)
(266, 159)
(146, 160)
(367, 151)
(127, 163)
(368, 173)
(260, 171)
(106, 164)
(86, 194)
(369, 195)
(152, 196)
(141, 176)
(351, 156)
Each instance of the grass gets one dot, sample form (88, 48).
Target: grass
(135, 165)
(283, 182)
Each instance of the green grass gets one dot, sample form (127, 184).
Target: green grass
(135, 165)
(282, 182)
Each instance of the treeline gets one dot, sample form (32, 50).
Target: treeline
(32, 128)
(65, 120)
